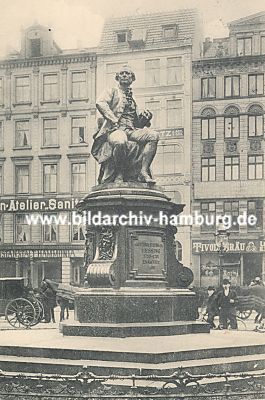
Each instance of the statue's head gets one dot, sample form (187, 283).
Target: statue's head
(125, 76)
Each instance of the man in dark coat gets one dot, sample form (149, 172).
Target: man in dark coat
(124, 144)
(49, 301)
(211, 306)
(226, 301)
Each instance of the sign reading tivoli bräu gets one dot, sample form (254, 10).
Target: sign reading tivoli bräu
(234, 246)
(37, 204)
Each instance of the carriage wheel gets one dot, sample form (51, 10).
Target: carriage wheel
(20, 312)
(245, 314)
(37, 304)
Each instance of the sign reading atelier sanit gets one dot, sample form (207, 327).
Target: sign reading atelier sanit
(149, 255)
(37, 205)
(233, 246)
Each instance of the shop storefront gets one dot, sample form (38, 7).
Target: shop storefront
(240, 262)
(61, 263)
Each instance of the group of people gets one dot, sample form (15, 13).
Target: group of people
(223, 303)
(50, 300)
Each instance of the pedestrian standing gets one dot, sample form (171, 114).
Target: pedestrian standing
(226, 302)
(211, 307)
(49, 300)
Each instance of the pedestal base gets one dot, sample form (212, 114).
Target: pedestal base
(134, 312)
(133, 330)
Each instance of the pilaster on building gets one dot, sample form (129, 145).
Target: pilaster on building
(228, 151)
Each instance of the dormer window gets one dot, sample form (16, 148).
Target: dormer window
(169, 31)
(35, 47)
(122, 37)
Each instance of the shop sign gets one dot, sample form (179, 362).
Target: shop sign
(235, 246)
(37, 205)
(37, 253)
(171, 133)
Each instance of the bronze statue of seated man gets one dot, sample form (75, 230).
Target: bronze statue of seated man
(124, 144)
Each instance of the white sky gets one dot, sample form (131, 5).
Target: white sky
(78, 23)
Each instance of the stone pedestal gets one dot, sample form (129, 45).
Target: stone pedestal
(136, 285)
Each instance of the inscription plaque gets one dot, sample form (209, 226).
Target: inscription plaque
(148, 255)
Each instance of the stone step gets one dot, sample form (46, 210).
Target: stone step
(68, 366)
(123, 355)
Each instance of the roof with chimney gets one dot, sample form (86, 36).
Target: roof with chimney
(149, 31)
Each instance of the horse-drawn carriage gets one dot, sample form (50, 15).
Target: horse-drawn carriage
(23, 307)
(249, 299)
(20, 306)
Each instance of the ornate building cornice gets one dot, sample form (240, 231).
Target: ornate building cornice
(63, 60)
(214, 66)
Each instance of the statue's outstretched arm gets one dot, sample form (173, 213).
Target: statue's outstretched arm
(104, 104)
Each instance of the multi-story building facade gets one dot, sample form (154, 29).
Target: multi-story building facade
(47, 118)
(159, 48)
(228, 152)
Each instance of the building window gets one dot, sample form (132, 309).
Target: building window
(168, 160)
(78, 173)
(79, 85)
(174, 113)
(231, 209)
(255, 84)
(208, 88)
(22, 134)
(1, 179)
(22, 89)
(255, 167)
(50, 87)
(50, 133)
(178, 251)
(231, 168)
(231, 127)
(255, 207)
(208, 169)
(174, 70)
(208, 128)
(232, 86)
(50, 230)
(262, 44)
(255, 125)
(170, 31)
(111, 70)
(22, 228)
(1, 228)
(78, 130)
(22, 179)
(154, 108)
(50, 178)
(152, 72)
(1, 91)
(122, 37)
(244, 47)
(35, 47)
(1, 134)
(208, 211)
(78, 232)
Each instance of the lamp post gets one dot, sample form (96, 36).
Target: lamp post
(221, 240)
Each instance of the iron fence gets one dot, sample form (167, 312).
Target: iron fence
(86, 385)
